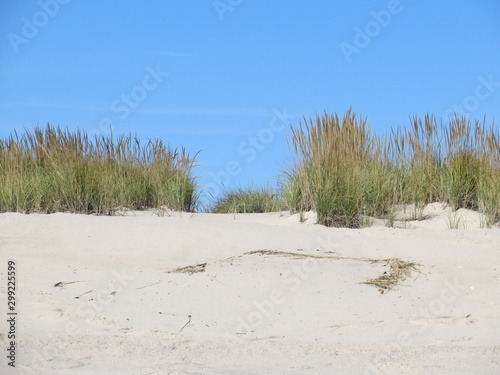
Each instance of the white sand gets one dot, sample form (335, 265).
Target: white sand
(249, 314)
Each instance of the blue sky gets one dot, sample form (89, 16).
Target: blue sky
(229, 77)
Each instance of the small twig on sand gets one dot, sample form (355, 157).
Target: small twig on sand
(60, 284)
(184, 326)
(81, 295)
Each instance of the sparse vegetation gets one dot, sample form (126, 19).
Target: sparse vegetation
(241, 201)
(51, 169)
(455, 220)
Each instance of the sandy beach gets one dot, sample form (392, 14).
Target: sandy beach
(97, 295)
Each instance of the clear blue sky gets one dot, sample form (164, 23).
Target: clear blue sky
(214, 75)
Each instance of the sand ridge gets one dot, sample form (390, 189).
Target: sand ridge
(97, 295)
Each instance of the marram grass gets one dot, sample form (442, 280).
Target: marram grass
(342, 170)
(252, 200)
(54, 170)
(345, 172)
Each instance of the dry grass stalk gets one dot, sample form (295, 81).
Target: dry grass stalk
(397, 274)
(190, 269)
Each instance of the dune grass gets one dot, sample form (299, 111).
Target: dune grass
(54, 170)
(345, 172)
(251, 200)
(342, 170)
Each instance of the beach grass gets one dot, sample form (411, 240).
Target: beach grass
(345, 172)
(249, 200)
(50, 169)
(341, 170)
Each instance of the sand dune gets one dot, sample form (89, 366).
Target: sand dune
(118, 309)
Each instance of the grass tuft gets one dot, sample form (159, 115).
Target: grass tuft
(54, 170)
(344, 172)
(249, 201)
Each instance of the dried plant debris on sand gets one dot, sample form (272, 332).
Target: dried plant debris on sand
(303, 255)
(398, 273)
(399, 269)
(190, 269)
